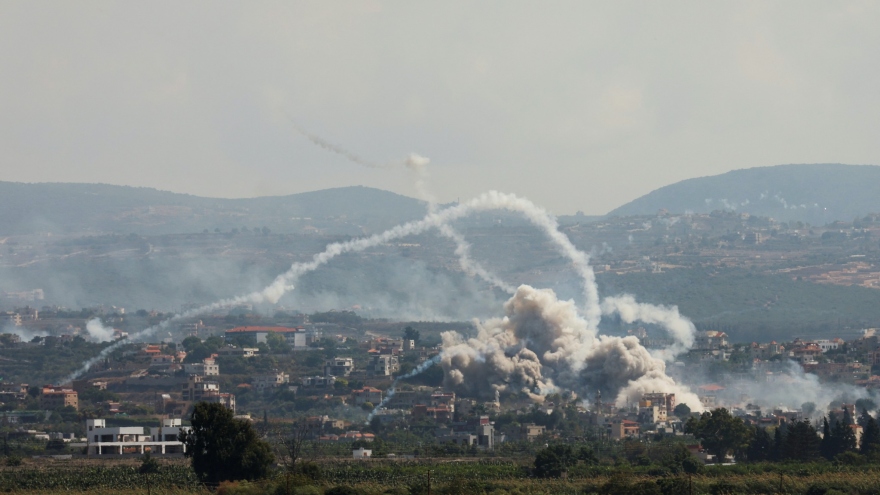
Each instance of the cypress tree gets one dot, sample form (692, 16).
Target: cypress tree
(761, 447)
(778, 443)
(845, 438)
(870, 435)
(801, 442)
(827, 446)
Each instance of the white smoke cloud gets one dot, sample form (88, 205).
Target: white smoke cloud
(788, 389)
(542, 345)
(98, 332)
(24, 333)
(679, 328)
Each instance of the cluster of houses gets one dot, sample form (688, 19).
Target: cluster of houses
(455, 419)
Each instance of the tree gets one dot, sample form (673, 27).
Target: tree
(191, 342)
(148, 465)
(801, 442)
(682, 411)
(277, 342)
(720, 432)
(410, 333)
(870, 446)
(761, 446)
(866, 403)
(224, 448)
(294, 443)
(554, 460)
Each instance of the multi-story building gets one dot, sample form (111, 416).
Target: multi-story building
(662, 399)
(162, 440)
(367, 394)
(296, 337)
(197, 389)
(479, 432)
(270, 380)
(208, 367)
(12, 392)
(318, 381)
(10, 318)
(711, 340)
(624, 429)
(57, 397)
(339, 366)
(384, 365)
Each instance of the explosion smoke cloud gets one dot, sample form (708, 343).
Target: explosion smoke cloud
(543, 345)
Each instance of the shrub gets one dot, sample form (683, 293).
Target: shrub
(148, 465)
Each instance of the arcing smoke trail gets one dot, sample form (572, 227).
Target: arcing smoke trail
(284, 282)
(486, 201)
(389, 394)
(419, 166)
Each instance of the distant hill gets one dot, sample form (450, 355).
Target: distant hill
(814, 193)
(84, 208)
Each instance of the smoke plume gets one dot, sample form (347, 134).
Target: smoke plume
(98, 332)
(679, 328)
(542, 345)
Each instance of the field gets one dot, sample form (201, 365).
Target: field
(487, 476)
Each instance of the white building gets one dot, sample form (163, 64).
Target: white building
(206, 368)
(362, 453)
(828, 345)
(163, 439)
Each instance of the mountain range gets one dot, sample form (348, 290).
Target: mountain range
(814, 193)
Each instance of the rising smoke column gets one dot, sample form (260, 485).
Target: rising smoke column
(542, 345)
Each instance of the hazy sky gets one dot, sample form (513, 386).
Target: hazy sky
(577, 105)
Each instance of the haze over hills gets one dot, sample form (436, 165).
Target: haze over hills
(814, 193)
(79, 208)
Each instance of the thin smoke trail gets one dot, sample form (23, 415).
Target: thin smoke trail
(389, 394)
(333, 148)
(418, 165)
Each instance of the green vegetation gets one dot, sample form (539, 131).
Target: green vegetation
(223, 448)
(750, 306)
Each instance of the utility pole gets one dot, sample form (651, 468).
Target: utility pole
(429, 482)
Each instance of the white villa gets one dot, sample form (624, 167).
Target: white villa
(133, 439)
